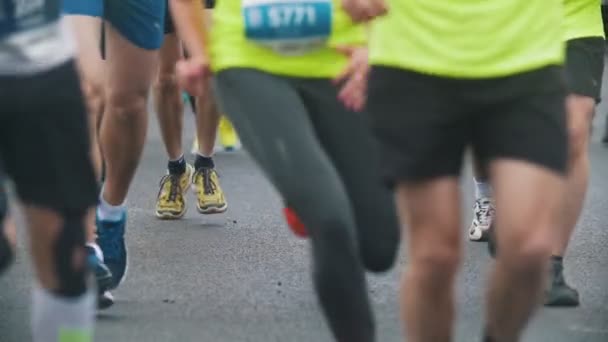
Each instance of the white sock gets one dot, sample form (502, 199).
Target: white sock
(108, 212)
(56, 318)
(482, 189)
(203, 155)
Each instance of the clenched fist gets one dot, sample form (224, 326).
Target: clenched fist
(364, 10)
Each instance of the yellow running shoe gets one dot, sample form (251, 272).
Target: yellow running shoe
(209, 195)
(170, 203)
(228, 136)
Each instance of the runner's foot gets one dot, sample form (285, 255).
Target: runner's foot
(559, 293)
(209, 193)
(171, 202)
(483, 215)
(111, 240)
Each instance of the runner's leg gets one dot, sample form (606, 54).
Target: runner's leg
(167, 97)
(209, 193)
(348, 141)
(584, 68)
(170, 202)
(528, 199)
(296, 163)
(86, 31)
(130, 73)
(54, 128)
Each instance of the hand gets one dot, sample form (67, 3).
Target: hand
(193, 75)
(364, 10)
(353, 79)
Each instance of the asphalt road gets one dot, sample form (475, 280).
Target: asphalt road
(243, 276)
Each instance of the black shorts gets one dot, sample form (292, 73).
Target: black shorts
(170, 27)
(44, 139)
(425, 123)
(585, 66)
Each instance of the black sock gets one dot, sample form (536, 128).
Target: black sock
(177, 167)
(203, 162)
(487, 337)
(192, 103)
(557, 258)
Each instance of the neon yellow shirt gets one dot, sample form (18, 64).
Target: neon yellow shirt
(583, 18)
(469, 38)
(229, 47)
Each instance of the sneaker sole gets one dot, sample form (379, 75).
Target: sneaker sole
(562, 302)
(170, 216)
(104, 300)
(475, 238)
(213, 209)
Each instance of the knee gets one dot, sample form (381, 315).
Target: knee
(94, 96)
(435, 252)
(578, 140)
(166, 84)
(527, 257)
(580, 113)
(379, 252)
(437, 264)
(69, 255)
(127, 105)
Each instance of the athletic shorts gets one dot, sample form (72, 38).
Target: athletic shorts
(139, 21)
(44, 139)
(170, 27)
(425, 123)
(585, 66)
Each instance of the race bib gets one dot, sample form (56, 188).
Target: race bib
(289, 27)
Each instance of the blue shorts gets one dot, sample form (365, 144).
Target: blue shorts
(139, 21)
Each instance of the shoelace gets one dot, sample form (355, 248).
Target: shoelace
(174, 187)
(485, 211)
(209, 185)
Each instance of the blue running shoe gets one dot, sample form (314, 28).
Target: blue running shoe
(111, 239)
(103, 276)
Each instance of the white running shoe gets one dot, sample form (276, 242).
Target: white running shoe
(483, 216)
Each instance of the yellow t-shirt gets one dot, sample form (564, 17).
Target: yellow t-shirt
(583, 18)
(469, 38)
(231, 49)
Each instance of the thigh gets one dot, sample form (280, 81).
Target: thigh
(47, 152)
(87, 33)
(430, 212)
(141, 22)
(170, 53)
(275, 128)
(129, 68)
(421, 127)
(347, 139)
(585, 66)
(528, 123)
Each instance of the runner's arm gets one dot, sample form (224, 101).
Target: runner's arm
(189, 19)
